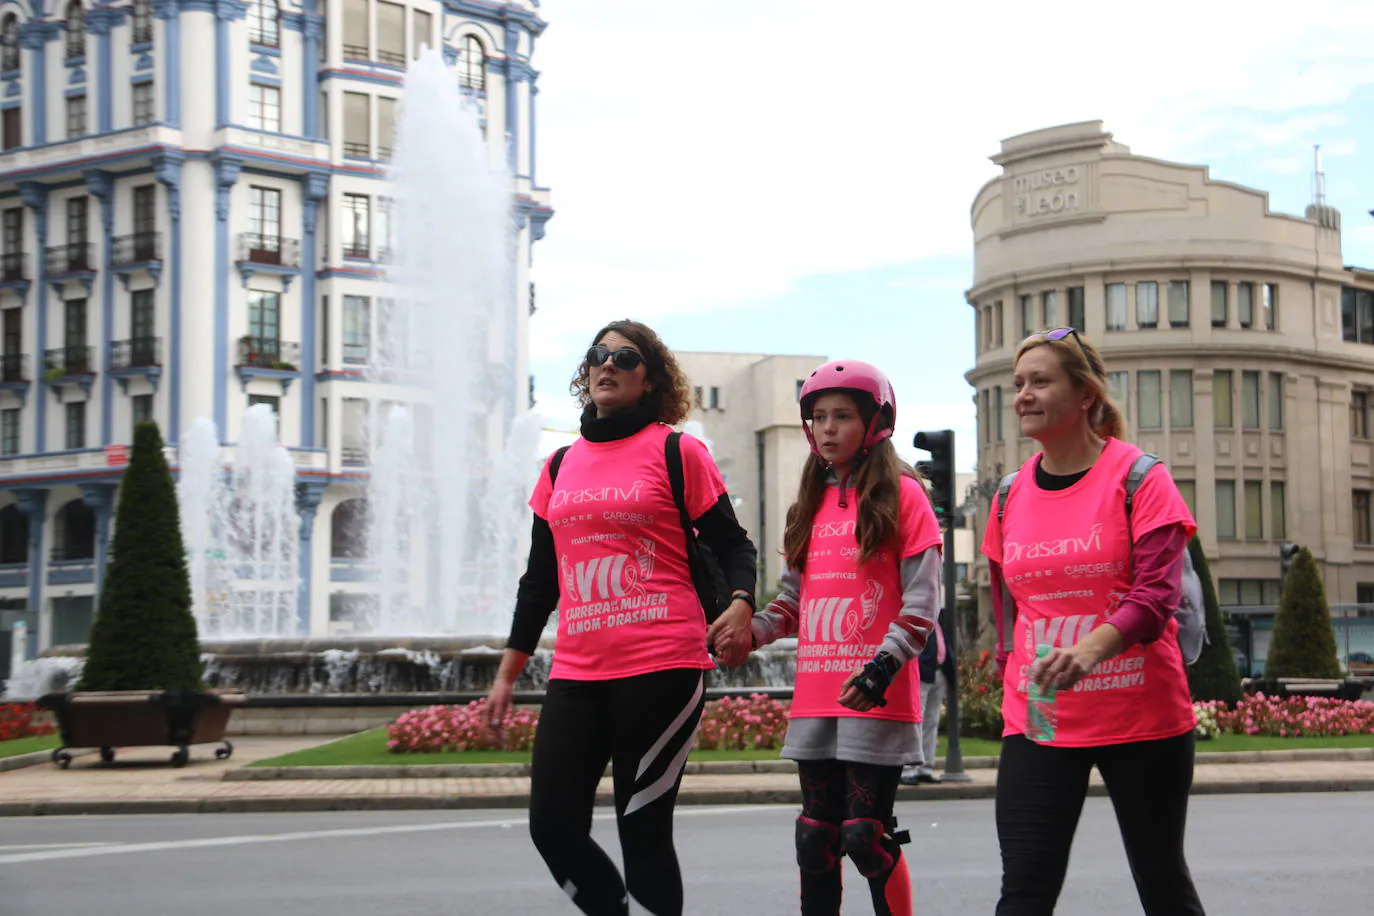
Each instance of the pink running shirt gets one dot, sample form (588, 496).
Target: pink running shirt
(846, 610)
(1066, 557)
(627, 604)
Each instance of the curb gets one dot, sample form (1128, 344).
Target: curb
(20, 761)
(520, 801)
(710, 767)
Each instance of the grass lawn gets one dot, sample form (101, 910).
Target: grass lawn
(369, 749)
(28, 745)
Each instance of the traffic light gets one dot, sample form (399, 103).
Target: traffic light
(1287, 551)
(939, 470)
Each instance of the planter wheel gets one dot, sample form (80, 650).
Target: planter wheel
(182, 755)
(224, 753)
(107, 754)
(61, 758)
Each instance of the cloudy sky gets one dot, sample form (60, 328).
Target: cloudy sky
(784, 176)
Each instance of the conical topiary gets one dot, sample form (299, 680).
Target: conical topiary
(1303, 644)
(144, 636)
(1213, 676)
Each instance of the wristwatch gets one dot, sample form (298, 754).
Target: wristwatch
(742, 595)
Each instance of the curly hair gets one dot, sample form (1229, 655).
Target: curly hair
(668, 391)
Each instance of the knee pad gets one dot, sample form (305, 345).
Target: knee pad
(818, 845)
(868, 845)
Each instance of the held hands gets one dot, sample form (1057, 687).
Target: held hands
(732, 636)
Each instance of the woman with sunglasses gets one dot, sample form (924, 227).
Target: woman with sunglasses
(1092, 585)
(630, 654)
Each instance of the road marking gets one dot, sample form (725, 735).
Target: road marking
(54, 845)
(77, 851)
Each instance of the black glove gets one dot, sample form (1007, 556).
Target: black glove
(876, 676)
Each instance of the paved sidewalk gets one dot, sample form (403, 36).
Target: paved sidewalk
(141, 781)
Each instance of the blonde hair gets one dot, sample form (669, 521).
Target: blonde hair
(1083, 364)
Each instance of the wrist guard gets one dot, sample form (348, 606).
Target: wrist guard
(877, 676)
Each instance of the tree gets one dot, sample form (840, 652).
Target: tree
(1303, 644)
(144, 636)
(1213, 676)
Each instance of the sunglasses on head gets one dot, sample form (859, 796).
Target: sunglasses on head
(1060, 334)
(625, 360)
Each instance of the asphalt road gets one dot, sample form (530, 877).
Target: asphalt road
(1257, 855)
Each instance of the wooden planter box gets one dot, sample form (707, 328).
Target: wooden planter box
(141, 718)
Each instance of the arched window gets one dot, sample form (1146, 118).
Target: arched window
(9, 42)
(14, 535)
(74, 532)
(76, 30)
(348, 530)
(142, 22)
(472, 68)
(263, 26)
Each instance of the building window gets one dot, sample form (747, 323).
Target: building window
(1028, 325)
(1147, 304)
(1188, 490)
(357, 209)
(1245, 304)
(264, 224)
(355, 29)
(1222, 400)
(997, 323)
(1050, 299)
(698, 397)
(74, 329)
(1254, 510)
(1248, 592)
(9, 431)
(263, 25)
(1278, 512)
(76, 30)
(1116, 306)
(386, 126)
(264, 322)
(1359, 500)
(357, 333)
(1250, 400)
(472, 67)
(76, 424)
(9, 43)
(1270, 304)
(143, 328)
(271, 400)
(715, 398)
(12, 128)
(144, 104)
(143, 409)
(1181, 399)
(381, 236)
(1178, 304)
(1077, 308)
(142, 32)
(1149, 389)
(1359, 415)
(264, 108)
(1219, 303)
(391, 33)
(1119, 388)
(77, 221)
(76, 116)
(998, 429)
(985, 415)
(1276, 400)
(357, 115)
(801, 383)
(1357, 315)
(420, 27)
(1226, 510)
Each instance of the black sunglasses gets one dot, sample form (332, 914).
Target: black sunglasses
(626, 360)
(1060, 334)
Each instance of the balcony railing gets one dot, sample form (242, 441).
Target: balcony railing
(136, 353)
(14, 367)
(142, 29)
(71, 259)
(353, 454)
(356, 52)
(64, 361)
(269, 353)
(14, 267)
(256, 248)
(394, 58)
(72, 553)
(138, 248)
(357, 150)
(357, 249)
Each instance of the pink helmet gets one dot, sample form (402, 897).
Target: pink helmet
(854, 377)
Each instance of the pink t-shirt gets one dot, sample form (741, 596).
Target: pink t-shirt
(1066, 557)
(627, 604)
(846, 609)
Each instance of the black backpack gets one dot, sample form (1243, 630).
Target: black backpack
(707, 575)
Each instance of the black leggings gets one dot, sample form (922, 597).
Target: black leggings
(645, 726)
(1040, 792)
(837, 796)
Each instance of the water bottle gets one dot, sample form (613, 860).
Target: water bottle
(1040, 714)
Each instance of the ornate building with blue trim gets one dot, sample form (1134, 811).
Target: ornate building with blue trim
(192, 215)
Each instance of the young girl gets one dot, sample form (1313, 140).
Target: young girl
(861, 592)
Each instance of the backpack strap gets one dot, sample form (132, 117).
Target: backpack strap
(1003, 493)
(672, 453)
(1136, 476)
(555, 462)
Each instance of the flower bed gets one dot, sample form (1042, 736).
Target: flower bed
(20, 720)
(1295, 717)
